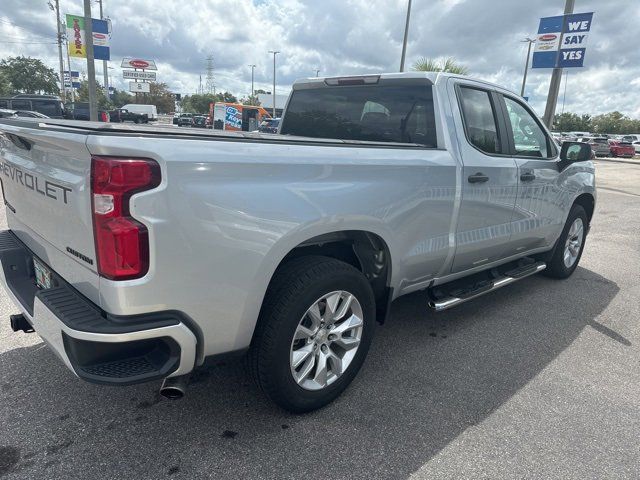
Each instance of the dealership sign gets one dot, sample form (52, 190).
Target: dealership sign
(134, 75)
(73, 80)
(139, 87)
(139, 63)
(76, 37)
(562, 41)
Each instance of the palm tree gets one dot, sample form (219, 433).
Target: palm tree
(448, 65)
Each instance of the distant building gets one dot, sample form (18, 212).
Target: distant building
(266, 102)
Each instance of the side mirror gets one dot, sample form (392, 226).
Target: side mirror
(575, 152)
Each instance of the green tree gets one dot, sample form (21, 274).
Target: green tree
(29, 75)
(200, 103)
(82, 95)
(160, 96)
(448, 65)
(120, 98)
(250, 100)
(612, 122)
(571, 122)
(5, 85)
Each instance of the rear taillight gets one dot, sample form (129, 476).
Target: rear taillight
(122, 243)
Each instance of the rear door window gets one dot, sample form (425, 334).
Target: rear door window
(21, 104)
(51, 108)
(375, 113)
(479, 119)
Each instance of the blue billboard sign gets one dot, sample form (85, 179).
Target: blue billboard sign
(73, 80)
(562, 40)
(101, 37)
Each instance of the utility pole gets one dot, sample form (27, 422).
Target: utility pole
(91, 68)
(73, 90)
(274, 80)
(104, 63)
(564, 95)
(63, 88)
(253, 67)
(526, 65)
(556, 77)
(406, 37)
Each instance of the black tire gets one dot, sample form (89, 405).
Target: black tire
(294, 288)
(556, 267)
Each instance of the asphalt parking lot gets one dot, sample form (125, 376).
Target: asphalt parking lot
(538, 380)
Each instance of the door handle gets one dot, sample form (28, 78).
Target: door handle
(478, 178)
(527, 177)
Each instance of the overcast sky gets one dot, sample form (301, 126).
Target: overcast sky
(345, 37)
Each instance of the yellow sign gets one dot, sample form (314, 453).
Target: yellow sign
(75, 36)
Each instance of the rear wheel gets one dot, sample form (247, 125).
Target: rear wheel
(314, 332)
(570, 245)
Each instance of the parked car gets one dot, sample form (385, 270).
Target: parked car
(176, 116)
(80, 111)
(49, 105)
(179, 248)
(6, 113)
(199, 121)
(636, 145)
(269, 125)
(621, 149)
(149, 110)
(631, 138)
(124, 115)
(185, 120)
(599, 145)
(29, 114)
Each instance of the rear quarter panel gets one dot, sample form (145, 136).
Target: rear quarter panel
(227, 213)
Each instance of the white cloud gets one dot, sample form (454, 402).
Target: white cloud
(345, 37)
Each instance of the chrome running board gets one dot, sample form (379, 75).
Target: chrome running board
(502, 281)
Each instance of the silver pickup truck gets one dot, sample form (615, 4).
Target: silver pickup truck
(138, 253)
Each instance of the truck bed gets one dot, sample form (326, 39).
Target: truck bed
(101, 128)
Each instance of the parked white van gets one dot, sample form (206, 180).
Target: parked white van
(150, 110)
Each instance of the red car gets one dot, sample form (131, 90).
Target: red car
(621, 149)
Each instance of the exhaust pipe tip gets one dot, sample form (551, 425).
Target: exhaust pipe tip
(174, 388)
(20, 324)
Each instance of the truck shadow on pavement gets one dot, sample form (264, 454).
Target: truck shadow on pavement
(427, 379)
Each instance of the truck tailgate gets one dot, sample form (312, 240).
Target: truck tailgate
(45, 177)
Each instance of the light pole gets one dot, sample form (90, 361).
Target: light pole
(91, 68)
(564, 95)
(253, 67)
(406, 36)
(73, 90)
(275, 52)
(104, 63)
(63, 87)
(317, 73)
(526, 65)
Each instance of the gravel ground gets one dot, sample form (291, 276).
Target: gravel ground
(538, 380)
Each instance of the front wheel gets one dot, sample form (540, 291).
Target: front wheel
(570, 245)
(313, 334)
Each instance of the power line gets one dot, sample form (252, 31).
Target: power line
(29, 43)
(31, 33)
